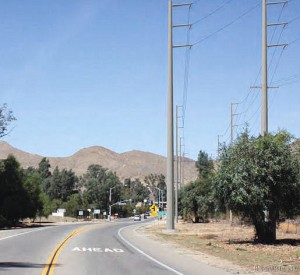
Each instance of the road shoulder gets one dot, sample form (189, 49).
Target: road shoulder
(184, 260)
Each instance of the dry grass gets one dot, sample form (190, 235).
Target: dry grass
(235, 243)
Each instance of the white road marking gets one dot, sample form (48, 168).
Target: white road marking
(97, 249)
(23, 233)
(146, 255)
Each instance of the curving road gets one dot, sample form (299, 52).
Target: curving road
(92, 248)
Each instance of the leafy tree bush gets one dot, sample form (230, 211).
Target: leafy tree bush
(48, 206)
(135, 191)
(32, 184)
(195, 199)
(45, 174)
(61, 184)
(14, 200)
(259, 179)
(6, 117)
(97, 181)
(154, 181)
(73, 204)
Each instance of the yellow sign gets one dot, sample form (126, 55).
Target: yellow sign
(153, 208)
(153, 214)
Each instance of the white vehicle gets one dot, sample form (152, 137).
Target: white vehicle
(137, 218)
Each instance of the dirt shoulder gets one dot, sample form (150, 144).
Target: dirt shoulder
(232, 247)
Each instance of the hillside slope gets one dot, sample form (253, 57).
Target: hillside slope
(132, 164)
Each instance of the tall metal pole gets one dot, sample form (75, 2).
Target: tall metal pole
(177, 169)
(159, 199)
(264, 80)
(170, 141)
(219, 144)
(231, 124)
(231, 138)
(264, 71)
(180, 163)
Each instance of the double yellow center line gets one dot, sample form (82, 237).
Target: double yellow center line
(49, 268)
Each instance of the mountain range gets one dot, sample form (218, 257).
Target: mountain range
(132, 164)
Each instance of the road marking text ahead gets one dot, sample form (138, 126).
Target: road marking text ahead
(98, 249)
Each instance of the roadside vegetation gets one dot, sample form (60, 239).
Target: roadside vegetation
(37, 192)
(258, 178)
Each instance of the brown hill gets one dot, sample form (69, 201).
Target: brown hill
(132, 164)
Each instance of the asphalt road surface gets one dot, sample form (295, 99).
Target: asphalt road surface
(92, 248)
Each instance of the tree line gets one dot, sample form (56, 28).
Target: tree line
(258, 178)
(37, 192)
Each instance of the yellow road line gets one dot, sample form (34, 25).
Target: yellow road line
(49, 268)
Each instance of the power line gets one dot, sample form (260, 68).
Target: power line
(213, 12)
(186, 69)
(297, 39)
(226, 26)
(269, 68)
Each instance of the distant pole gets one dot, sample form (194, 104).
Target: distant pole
(177, 169)
(264, 72)
(159, 199)
(170, 141)
(219, 144)
(231, 139)
(231, 124)
(109, 213)
(182, 169)
(180, 164)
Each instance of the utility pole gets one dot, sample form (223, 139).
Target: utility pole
(181, 154)
(170, 145)
(177, 185)
(264, 71)
(170, 124)
(177, 169)
(219, 144)
(265, 46)
(231, 139)
(182, 169)
(111, 188)
(264, 84)
(232, 114)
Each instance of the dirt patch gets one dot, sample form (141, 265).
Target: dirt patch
(235, 244)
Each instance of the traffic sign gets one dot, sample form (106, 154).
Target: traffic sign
(153, 208)
(153, 214)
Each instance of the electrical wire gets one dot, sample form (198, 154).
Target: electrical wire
(226, 26)
(213, 12)
(186, 70)
(255, 114)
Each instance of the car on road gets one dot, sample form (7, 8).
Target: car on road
(137, 218)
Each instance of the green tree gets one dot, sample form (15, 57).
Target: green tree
(138, 192)
(68, 183)
(32, 184)
(195, 199)
(204, 165)
(13, 196)
(259, 179)
(154, 181)
(6, 117)
(73, 204)
(44, 171)
(61, 184)
(54, 189)
(98, 181)
(48, 206)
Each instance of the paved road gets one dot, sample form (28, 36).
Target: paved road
(92, 248)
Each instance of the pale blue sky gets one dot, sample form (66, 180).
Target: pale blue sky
(88, 72)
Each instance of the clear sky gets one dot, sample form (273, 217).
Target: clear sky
(88, 72)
